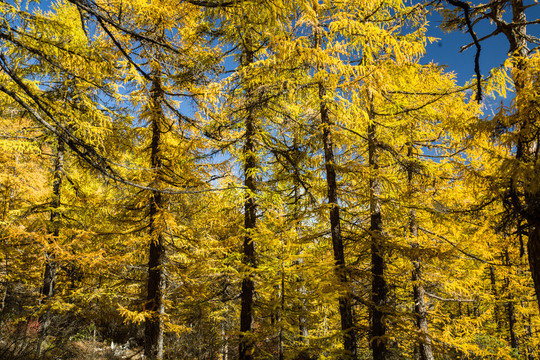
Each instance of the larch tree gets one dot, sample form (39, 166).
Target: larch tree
(516, 126)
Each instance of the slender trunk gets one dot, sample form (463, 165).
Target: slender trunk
(533, 249)
(282, 304)
(495, 293)
(246, 345)
(6, 286)
(345, 307)
(153, 331)
(379, 286)
(529, 332)
(225, 342)
(510, 311)
(424, 345)
(302, 320)
(49, 278)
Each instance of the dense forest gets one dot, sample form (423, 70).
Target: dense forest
(280, 179)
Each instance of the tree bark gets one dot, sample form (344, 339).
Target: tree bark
(379, 288)
(153, 332)
(424, 345)
(302, 320)
(518, 46)
(510, 311)
(345, 307)
(516, 34)
(246, 346)
(495, 293)
(49, 277)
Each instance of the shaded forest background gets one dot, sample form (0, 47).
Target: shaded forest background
(215, 179)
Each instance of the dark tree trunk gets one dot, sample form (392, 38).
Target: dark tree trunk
(345, 307)
(527, 139)
(495, 293)
(246, 346)
(510, 311)
(424, 345)
(379, 288)
(282, 306)
(49, 277)
(153, 331)
(533, 249)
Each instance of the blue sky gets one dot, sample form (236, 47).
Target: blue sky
(494, 50)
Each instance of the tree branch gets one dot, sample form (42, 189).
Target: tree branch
(466, 8)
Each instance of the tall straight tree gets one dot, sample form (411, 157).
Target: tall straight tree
(153, 331)
(51, 265)
(246, 345)
(379, 288)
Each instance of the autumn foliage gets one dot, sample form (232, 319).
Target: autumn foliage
(265, 180)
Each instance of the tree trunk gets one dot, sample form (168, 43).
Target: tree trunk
(495, 293)
(379, 287)
(510, 311)
(516, 34)
(153, 332)
(420, 311)
(529, 332)
(246, 346)
(49, 277)
(518, 46)
(424, 345)
(302, 320)
(345, 307)
(533, 249)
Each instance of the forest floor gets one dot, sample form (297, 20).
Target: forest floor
(88, 349)
(70, 350)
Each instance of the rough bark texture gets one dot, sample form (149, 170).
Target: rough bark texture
(510, 311)
(527, 139)
(49, 277)
(424, 345)
(379, 288)
(533, 248)
(153, 331)
(495, 293)
(246, 346)
(345, 307)
(302, 320)
(420, 311)
(527, 145)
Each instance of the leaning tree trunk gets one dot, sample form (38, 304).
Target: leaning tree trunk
(379, 287)
(49, 277)
(246, 345)
(153, 331)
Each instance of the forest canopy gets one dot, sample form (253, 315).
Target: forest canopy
(239, 179)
